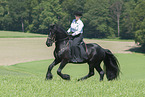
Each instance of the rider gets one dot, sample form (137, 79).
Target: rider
(78, 52)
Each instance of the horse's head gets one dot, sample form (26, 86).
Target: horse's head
(51, 35)
(55, 34)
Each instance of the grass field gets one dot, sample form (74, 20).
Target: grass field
(27, 79)
(11, 34)
(14, 34)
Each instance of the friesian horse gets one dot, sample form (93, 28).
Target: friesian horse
(96, 54)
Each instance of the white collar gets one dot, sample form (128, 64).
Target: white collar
(77, 20)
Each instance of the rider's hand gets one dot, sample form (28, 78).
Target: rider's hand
(69, 34)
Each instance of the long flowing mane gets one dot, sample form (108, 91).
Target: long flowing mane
(61, 29)
(61, 33)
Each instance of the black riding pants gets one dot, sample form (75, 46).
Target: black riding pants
(77, 51)
(77, 40)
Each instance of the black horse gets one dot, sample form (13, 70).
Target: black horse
(96, 54)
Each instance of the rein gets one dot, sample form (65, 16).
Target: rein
(62, 39)
(67, 44)
(53, 39)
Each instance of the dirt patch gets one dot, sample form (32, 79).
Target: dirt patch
(19, 50)
(114, 46)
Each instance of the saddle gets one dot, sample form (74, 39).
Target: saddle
(84, 46)
(78, 53)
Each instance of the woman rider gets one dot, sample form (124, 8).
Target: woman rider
(78, 52)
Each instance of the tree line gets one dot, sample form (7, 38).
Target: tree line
(102, 18)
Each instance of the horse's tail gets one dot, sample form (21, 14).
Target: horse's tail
(112, 65)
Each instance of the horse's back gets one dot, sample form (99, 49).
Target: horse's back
(94, 48)
(93, 45)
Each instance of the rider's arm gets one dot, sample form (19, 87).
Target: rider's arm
(69, 30)
(80, 29)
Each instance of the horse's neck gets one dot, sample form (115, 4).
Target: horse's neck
(61, 38)
(61, 44)
(61, 35)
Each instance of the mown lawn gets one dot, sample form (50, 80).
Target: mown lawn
(28, 80)
(13, 34)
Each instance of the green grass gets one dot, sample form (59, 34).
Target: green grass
(27, 80)
(12, 34)
(114, 39)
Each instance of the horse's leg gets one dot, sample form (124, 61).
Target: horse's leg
(62, 65)
(100, 71)
(91, 72)
(49, 74)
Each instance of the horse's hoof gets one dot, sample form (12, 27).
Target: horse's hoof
(66, 77)
(49, 77)
(101, 75)
(80, 79)
(101, 80)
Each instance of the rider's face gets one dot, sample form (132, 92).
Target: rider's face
(77, 17)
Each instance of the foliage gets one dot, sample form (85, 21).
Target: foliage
(140, 36)
(44, 14)
(97, 19)
(102, 18)
(139, 22)
(116, 11)
(126, 27)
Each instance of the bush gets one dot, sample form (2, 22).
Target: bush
(140, 36)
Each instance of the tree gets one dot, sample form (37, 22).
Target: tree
(32, 23)
(5, 20)
(102, 18)
(44, 14)
(116, 9)
(126, 22)
(97, 20)
(17, 11)
(139, 22)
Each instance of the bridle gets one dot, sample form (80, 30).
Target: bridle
(53, 37)
(53, 40)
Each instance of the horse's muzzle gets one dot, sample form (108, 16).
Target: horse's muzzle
(48, 44)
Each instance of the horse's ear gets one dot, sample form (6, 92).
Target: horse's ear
(52, 26)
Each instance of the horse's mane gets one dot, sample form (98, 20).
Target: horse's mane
(61, 29)
(61, 33)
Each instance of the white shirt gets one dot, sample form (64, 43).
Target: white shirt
(76, 27)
